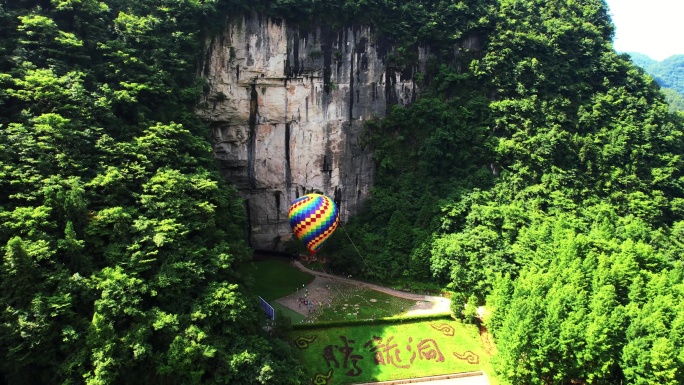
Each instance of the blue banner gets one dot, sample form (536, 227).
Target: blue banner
(267, 308)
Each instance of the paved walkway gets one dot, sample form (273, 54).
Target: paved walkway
(386, 290)
(468, 378)
(319, 293)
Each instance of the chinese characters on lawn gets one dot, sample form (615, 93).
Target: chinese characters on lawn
(387, 352)
(348, 360)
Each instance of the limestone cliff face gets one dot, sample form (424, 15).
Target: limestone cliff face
(288, 107)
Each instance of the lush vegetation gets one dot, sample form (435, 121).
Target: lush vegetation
(669, 73)
(118, 236)
(365, 353)
(674, 99)
(544, 178)
(276, 278)
(541, 173)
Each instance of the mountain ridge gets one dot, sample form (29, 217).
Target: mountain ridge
(668, 73)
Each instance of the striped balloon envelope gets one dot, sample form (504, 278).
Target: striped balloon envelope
(313, 218)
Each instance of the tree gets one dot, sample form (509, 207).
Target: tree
(120, 238)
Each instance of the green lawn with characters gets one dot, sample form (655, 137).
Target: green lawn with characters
(390, 351)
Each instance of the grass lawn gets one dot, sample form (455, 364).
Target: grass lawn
(365, 353)
(352, 302)
(287, 312)
(316, 266)
(275, 278)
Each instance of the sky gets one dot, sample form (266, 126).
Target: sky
(651, 27)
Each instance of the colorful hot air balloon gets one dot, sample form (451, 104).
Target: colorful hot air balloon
(313, 218)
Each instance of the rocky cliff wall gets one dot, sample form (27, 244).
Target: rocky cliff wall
(287, 108)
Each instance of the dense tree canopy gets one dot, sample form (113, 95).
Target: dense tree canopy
(669, 73)
(119, 238)
(545, 177)
(540, 173)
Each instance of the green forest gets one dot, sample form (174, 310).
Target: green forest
(669, 73)
(541, 176)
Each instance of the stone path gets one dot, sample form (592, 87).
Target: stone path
(319, 293)
(468, 378)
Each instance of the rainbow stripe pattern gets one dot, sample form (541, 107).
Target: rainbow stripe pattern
(313, 218)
